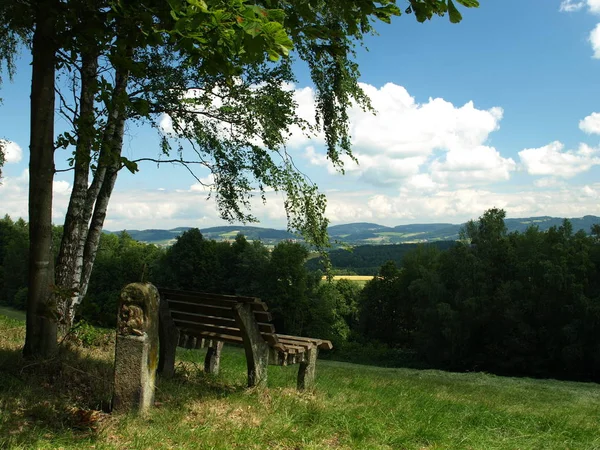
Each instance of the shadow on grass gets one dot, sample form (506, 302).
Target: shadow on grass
(67, 399)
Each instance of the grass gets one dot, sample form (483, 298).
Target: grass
(12, 313)
(57, 404)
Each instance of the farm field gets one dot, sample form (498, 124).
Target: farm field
(358, 279)
(52, 404)
(352, 277)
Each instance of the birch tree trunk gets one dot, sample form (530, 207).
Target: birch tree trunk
(83, 227)
(70, 257)
(40, 340)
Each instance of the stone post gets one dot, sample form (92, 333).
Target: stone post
(212, 361)
(136, 352)
(306, 371)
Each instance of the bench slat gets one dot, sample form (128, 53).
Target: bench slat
(236, 298)
(218, 321)
(216, 336)
(202, 329)
(213, 299)
(322, 344)
(215, 311)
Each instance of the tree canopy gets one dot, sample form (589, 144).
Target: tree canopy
(219, 69)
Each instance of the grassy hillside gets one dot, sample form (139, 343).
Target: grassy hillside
(54, 404)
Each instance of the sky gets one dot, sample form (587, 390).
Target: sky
(501, 110)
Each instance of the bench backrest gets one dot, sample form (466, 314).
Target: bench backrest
(211, 317)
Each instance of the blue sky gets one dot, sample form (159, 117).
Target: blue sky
(500, 110)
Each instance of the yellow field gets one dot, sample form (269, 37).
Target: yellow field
(352, 277)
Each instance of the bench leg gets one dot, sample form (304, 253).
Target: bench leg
(257, 350)
(306, 371)
(168, 339)
(213, 358)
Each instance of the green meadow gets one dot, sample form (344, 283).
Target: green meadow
(59, 404)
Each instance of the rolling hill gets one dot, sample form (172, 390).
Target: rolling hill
(361, 233)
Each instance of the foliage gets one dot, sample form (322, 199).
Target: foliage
(299, 303)
(367, 259)
(120, 261)
(519, 303)
(14, 261)
(511, 303)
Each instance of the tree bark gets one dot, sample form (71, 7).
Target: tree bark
(100, 207)
(90, 204)
(40, 340)
(70, 257)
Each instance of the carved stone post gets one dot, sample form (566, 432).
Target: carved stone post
(169, 338)
(257, 350)
(306, 371)
(136, 352)
(212, 361)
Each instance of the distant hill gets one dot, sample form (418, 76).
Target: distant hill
(362, 233)
(168, 237)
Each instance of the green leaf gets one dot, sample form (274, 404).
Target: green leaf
(455, 16)
(131, 166)
(469, 3)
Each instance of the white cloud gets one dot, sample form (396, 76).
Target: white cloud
(551, 160)
(570, 6)
(403, 127)
(595, 41)
(61, 187)
(204, 185)
(460, 205)
(549, 182)
(165, 124)
(594, 6)
(399, 142)
(12, 151)
(473, 165)
(590, 124)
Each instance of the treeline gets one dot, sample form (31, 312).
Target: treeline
(367, 259)
(300, 303)
(519, 303)
(509, 303)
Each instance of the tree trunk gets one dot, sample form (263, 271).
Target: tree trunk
(83, 244)
(70, 257)
(40, 340)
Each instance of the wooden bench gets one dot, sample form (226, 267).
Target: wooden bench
(197, 319)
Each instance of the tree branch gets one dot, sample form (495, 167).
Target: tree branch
(64, 170)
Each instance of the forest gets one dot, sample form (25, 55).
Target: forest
(520, 303)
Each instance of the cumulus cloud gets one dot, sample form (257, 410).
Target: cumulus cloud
(571, 6)
(595, 41)
(403, 127)
(593, 7)
(460, 205)
(12, 151)
(591, 124)
(471, 165)
(401, 142)
(551, 160)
